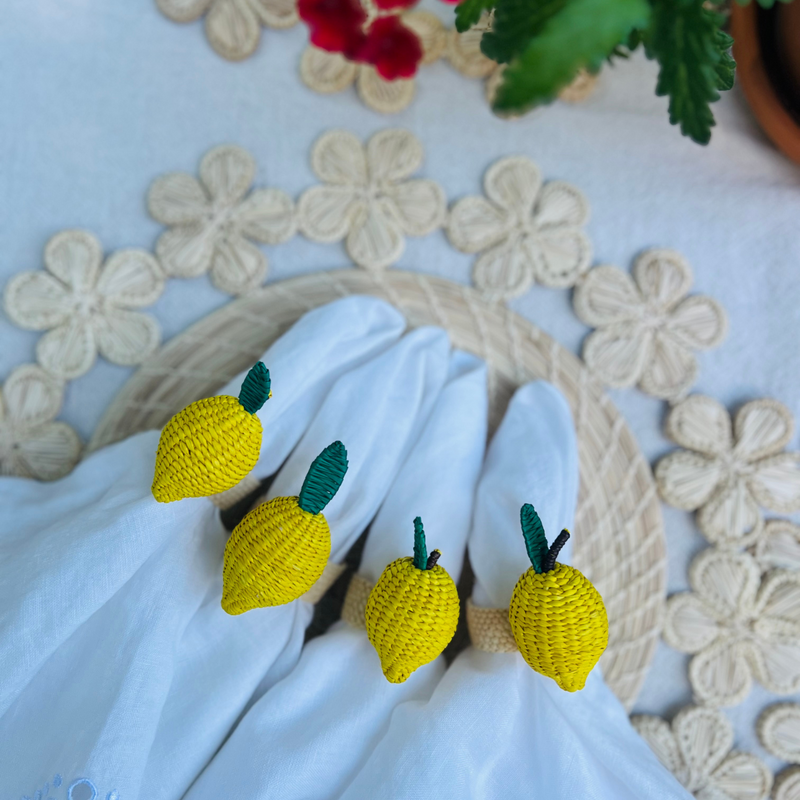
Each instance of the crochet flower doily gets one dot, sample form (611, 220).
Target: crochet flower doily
(697, 749)
(31, 444)
(738, 626)
(367, 196)
(213, 220)
(233, 27)
(728, 470)
(85, 305)
(778, 545)
(647, 327)
(328, 73)
(524, 231)
(779, 731)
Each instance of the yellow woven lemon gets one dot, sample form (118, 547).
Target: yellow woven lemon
(278, 551)
(557, 617)
(412, 611)
(213, 443)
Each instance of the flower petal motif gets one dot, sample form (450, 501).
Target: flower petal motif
(214, 218)
(779, 731)
(431, 32)
(464, 51)
(526, 232)
(778, 546)
(737, 626)
(69, 350)
(75, 258)
(618, 353)
(334, 25)
(385, 97)
(325, 72)
(131, 278)
(37, 301)
(735, 473)
(237, 266)
(787, 785)
(367, 199)
(233, 27)
(31, 444)
(654, 303)
(126, 337)
(696, 748)
(392, 48)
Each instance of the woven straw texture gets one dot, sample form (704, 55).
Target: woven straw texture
(354, 608)
(274, 555)
(489, 629)
(618, 532)
(205, 449)
(559, 624)
(329, 576)
(411, 616)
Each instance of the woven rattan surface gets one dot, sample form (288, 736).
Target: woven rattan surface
(619, 538)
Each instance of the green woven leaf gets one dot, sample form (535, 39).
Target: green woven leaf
(468, 12)
(581, 34)
(325, 476)
(516, 22)
(682, 36)
(420, 547)
(533, 533)
(726, 68)
(255, 388)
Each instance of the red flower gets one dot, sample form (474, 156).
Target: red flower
(390, 5)
(336, 25)
(393, 49)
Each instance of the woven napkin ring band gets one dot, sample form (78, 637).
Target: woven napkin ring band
(489, 629)
(232, 496)
(355, 601)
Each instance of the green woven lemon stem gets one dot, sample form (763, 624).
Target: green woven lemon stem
(255, 388)
(533, 533)
(324, 478)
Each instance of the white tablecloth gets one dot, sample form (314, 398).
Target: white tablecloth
(98, 98)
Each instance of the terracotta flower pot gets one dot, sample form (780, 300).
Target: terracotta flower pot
(767, 52)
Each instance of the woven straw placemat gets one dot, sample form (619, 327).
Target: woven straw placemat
(619, 537)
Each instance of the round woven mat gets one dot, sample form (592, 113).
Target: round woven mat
(619, 537)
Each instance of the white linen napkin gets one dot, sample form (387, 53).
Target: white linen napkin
(309, 734)
(377, 411)
(494, 728)
(109, 601)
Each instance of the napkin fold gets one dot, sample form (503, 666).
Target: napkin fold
(309, 734)
(377, 410)
(493, 727)
(109, 601)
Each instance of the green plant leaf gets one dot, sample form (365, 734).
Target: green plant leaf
(726, 68)
(468, 12)
(683, 38)
(533, 533)
(582, 34)
(516, 22)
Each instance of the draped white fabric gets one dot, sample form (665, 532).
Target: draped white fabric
(119, 666)
(493, 728)
(308, 735)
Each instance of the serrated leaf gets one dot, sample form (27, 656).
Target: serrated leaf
(468, 12)
(726, 68)
(516, 22)
(581, 35)
(683, 37)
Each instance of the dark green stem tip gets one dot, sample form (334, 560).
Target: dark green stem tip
(255, 389)
(325, 476)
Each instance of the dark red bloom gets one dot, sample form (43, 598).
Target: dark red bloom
(393, 49)
(335, 25)
(391, 5)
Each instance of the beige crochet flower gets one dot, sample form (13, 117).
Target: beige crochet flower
(367, 196)
(212, 221)
(646, 326)
(779, 731)
(328, 73)
(697, 749)
(787, 785)
(727, 471)
(233, 27)
(738, 626)
(85, 305)
(778, 546)
(31, 444)
(524, 231)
